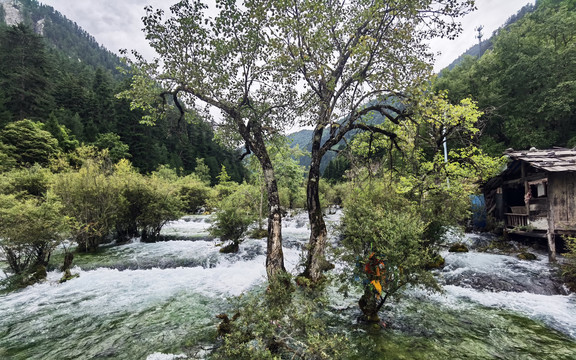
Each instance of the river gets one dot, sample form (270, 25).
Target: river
(158, 302)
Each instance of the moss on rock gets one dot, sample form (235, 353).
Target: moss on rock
(527, 256)
(458, 247)
(230, 248)
(437, 262)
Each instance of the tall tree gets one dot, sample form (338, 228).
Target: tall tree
(219, 61)
(24, 74)
(28, 143)
(354, 57)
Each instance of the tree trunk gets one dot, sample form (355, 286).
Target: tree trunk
(260, 212)
(274, 253)
(315, 260)
(369, 306)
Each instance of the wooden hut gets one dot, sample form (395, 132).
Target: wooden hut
(536, 194)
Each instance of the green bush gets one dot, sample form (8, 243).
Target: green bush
(279, 322)
(7, 161)
(146, 204)
(117, 150)
(91, 195)
(28, 143)
(234, 215)
(383, 239)
(195, 193)
(160, 203)
(33, 181)
(30, 229)
(332, 194)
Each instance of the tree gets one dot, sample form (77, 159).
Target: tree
(102, 102)
(146, 203)
(66, 141)
(234, 214)
(384, 238)
(202, 171)
(30, 229)
(407, 196)
(290, 173)
(354, 58)
(92, 196)
(222, 62)
(439, 185)
(117, 150)
(7, 161)
(28, 143)
(25, 68)
(27, 182)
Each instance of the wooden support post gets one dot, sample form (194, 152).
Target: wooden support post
(551, 232)
(526, 190)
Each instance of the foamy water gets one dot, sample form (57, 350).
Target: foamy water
(154, 288)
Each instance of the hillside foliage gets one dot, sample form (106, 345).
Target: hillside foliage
(66, 82)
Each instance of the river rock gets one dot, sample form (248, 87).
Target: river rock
(230, 248)
(526, 256)
(458, 247)
(437, 262)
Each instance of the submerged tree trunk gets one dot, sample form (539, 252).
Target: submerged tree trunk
(315, 260)
(369, 305)
(274, 252)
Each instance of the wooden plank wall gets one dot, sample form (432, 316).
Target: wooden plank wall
(562, 194)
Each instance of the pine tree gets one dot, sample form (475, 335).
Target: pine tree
(25, 69)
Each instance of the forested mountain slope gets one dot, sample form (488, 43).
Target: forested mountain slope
(65, 35)
(526, 85)
(55, 73)
(486, 44)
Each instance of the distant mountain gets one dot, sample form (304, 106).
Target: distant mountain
(303, 139)
(63, 34)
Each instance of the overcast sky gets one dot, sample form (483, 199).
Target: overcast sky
(117, 24)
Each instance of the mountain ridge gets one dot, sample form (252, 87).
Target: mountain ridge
(60, 32)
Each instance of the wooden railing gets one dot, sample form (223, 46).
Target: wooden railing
(514, 220)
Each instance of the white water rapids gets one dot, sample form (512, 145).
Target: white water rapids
(139, 300)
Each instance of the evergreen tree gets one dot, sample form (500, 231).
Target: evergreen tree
(28, 143)
(25, 70)
(102, 102)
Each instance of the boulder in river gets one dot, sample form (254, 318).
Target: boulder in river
(458, 247)
(526, 256)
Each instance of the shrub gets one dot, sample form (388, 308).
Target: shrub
(146, 203)
(30, 229)
(279, 322)
(383, 239)
(160, 203)
(234, 215)
(93, 197)
(7, 160)
(33, 181)
(28, 143)
(195, 193)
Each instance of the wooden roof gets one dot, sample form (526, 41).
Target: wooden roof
(551, 160)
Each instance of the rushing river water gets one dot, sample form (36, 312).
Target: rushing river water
(158, 301)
